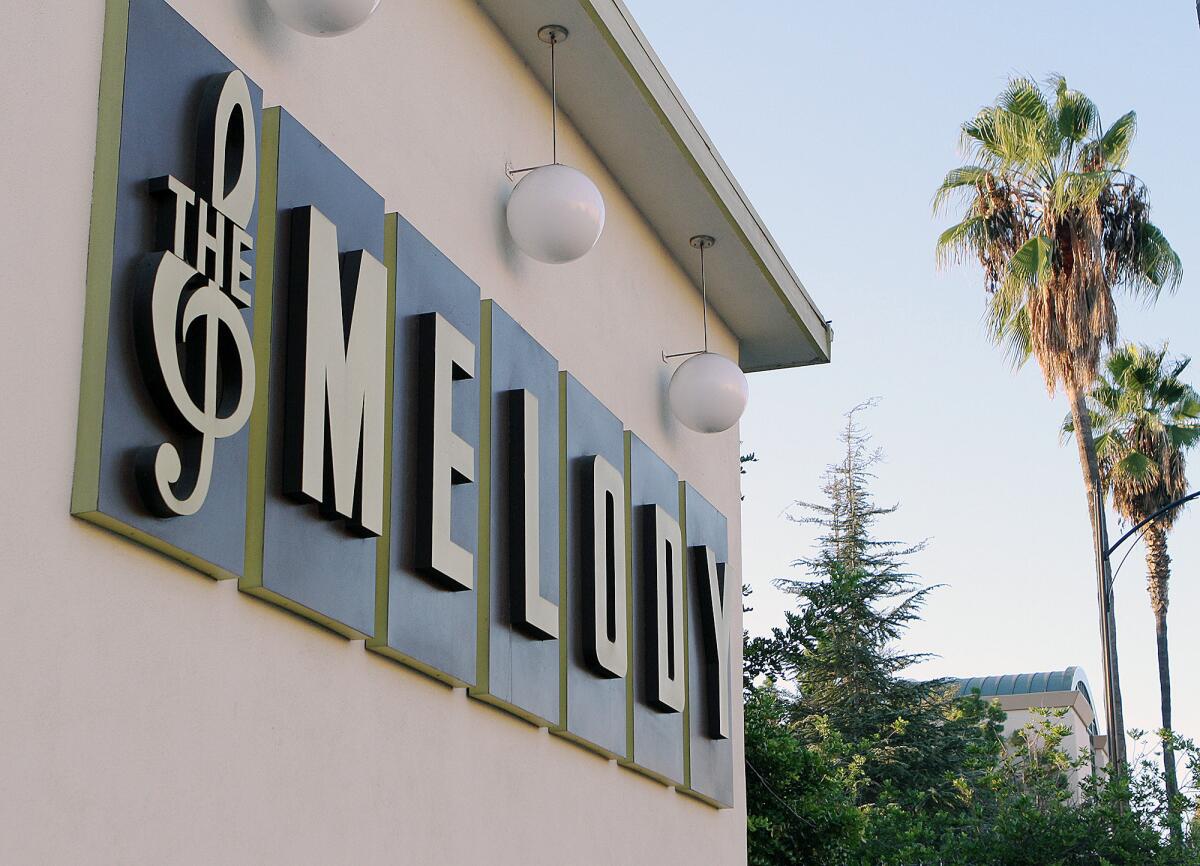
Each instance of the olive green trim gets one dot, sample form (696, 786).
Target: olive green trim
(510, 708)
(587, 744)
(564, 639)
(651, 774)
(483, 547)
(383, 548)
(375, 646)
(85, 492)
(293, 606)
(264, 285)
(684, 568)
(681, 146)
(156, 544)
(704, 798)
(631, 666)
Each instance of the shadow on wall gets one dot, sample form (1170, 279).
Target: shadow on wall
(665, 415)
(514, 259)
(273, 33)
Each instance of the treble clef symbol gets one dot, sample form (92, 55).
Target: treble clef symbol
(175, 304)
(192, 340)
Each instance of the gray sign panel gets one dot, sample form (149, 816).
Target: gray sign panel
(171, 81)
(427, 578)
(594, 699)
(710, 592)
(519, 583)
(313, 560)
(657, 665)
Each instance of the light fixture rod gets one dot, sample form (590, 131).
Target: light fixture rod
(700, 242)
(703, 242)
(552, 34)
(511, 171)
(553, 107)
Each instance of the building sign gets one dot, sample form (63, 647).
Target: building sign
(285, 386)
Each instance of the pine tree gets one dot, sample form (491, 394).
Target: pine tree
(895, 738)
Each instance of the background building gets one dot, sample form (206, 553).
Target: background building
(1068, 689)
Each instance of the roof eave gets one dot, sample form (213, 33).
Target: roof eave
(675, 177)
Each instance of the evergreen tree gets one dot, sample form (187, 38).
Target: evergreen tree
(897, 740)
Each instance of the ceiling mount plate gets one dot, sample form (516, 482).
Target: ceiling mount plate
(702, 242)
(552, 34)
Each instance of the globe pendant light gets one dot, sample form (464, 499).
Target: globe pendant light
(708, 392)
(555, 213)
(323, 17)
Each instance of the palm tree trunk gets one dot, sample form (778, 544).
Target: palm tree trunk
(1090, 465)
(1158, 575)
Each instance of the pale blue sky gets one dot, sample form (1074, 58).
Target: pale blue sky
(839, 120)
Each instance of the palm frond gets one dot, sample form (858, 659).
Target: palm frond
(1112, 148)
(1031, 263)
(964, 177)
(1016, 338)
(1107, 445)
(1184, 438)
(1008, 321)
(1137, 466)
(1075, 115)
(979, 134)
(960, 240)
(1155, 265)
(1106, 395)
(1181, 364)
(1187, 409)
(1079, 189)
(1024, 98)
(1120, 361)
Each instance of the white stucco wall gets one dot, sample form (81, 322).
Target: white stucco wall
(151, 715)
(1078, 718)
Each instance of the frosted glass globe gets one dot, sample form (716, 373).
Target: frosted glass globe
(323, 17)
(708, 393)
(555, 214)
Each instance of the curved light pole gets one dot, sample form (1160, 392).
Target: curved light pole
(1155, 515)
(1116, 736)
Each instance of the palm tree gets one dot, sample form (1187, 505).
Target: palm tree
(1144, 418)
(1058, 224)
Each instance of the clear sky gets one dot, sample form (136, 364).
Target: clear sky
(839, 120)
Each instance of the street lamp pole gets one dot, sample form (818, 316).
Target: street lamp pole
(1113, 716)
